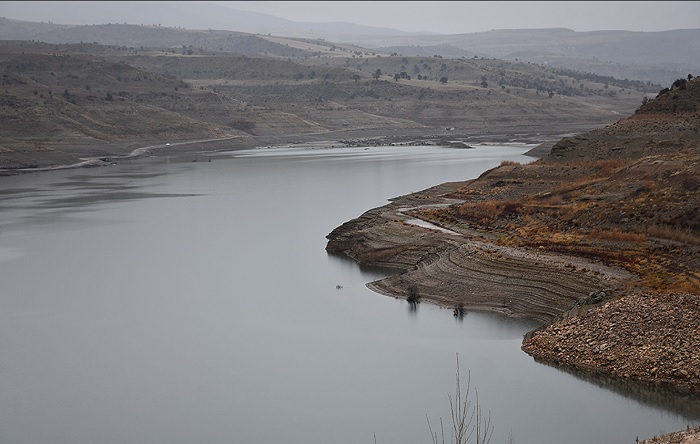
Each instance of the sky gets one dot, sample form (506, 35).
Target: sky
(455, 17)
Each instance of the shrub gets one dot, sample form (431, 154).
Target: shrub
(413, 296)
(243, 125)
(468, 419)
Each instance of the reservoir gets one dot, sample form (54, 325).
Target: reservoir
(190, 300)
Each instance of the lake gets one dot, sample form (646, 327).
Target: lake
(191, 299)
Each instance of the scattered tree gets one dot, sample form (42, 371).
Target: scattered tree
(680, 83)
(246, 126)
(413, 296)
(468, 419)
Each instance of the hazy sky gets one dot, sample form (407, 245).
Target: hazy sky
(453, 17)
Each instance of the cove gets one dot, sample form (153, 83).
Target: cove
(168, 300)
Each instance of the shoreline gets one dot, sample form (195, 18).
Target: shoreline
(65, 155)
(433, 257)
(570, 296)
(111, 159)
(448, 269)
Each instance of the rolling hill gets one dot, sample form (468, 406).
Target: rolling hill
(63, 102)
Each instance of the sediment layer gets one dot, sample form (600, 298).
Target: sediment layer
(458, 269)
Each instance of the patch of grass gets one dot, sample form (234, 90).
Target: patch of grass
(616, 234)
(673, 233)
(486, 212)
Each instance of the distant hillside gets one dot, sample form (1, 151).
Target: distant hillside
(21, 30)
(181, 14)
(659, 57)
(60, 103)
(655, 57)
(137, 36)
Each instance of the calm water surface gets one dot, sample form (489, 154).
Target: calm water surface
(182, 302)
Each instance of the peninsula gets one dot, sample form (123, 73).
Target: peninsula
(599, 241)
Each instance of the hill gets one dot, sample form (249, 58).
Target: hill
(182, 14)
(658, 57)
(62, 103)
(655, 57)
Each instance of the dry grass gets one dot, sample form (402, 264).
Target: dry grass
(551, 199)
(577, 185)
(673, 233)
(616, 234)
(617, 211)
(488, 211)
(601, 167)
(687, 284)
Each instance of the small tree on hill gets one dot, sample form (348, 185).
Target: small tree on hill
(680, 83)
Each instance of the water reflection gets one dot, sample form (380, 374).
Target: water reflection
(682, 404)
(685, 405)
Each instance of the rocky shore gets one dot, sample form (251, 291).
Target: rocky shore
(689, 436)
(651, 338)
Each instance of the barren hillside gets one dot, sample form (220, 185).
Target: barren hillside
(63, 103)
